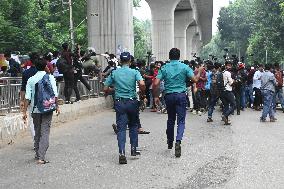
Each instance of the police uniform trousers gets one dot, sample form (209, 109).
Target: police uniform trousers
(127, 111)
(176, 108)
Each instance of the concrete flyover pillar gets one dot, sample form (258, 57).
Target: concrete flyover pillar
(110, 25)
(191, 33)
(182, 20)
(162, 27)
(196, 44)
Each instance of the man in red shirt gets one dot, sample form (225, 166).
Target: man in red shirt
(200, 101)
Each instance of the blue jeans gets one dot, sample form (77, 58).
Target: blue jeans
(243, 97)
(249, 94)
(212, 104)
(268, 107)
(127, 114)
(229, 103)
(279, 95)
(176, 108)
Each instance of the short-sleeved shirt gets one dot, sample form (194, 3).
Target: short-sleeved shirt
(174, 75)
(30, 88)
(124, 80)
(27, 75)
(268, 81)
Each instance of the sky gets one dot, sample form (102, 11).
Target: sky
(144, 12)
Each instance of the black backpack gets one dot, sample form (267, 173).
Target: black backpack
(220, 82)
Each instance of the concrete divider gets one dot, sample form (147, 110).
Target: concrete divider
(12, 126)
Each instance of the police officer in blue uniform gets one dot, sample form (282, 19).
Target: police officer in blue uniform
(175, 75)
(126, 105)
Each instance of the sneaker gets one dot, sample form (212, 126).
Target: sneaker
(273, 119)
(262, 119)
(199, 113)
(170, 144)
(209, 120)
(122, 159)
(134, 152)
(194, 112)
(178, 149)
(226, 120)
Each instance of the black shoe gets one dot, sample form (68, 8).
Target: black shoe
(262, 119)
(209, 120)
(170, 144)
(226, 120)
(122, 159)
(178, 150)
(114, 126)
(134, 152)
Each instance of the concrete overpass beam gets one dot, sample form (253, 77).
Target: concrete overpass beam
(110, 25)
(162, 27)
(190, 33)
(182, 20)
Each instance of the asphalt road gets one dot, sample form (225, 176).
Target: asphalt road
(84, 154)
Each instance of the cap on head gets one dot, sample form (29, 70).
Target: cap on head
(125, 57)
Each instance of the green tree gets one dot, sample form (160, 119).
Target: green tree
(254, 26)
(142, 39)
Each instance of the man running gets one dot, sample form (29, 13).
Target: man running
(126, 104)
(174, 75)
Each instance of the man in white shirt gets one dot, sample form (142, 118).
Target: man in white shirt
(256, 87)
(227, 96)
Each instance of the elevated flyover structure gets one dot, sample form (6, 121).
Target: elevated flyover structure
(185, 24)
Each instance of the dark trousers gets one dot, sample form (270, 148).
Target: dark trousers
(258, 97)
(238, 96)
(229, 103)
(127, 114)
(176, 108)
(213, 101)
(79, 77)
(68, 84)
(200, 99)
(42, 124)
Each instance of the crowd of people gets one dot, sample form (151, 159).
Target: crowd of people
(171, 87)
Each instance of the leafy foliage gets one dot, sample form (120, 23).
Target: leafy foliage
(251, 27)
(142, 38)
(39, 24)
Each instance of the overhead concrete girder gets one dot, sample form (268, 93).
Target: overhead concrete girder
(162, 27)
(183, 18)
(191, 37)
(110, 25)
(205, 14)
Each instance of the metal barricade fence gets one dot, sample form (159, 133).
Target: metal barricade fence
(10, 92)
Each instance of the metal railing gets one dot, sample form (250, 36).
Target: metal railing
(10, 88)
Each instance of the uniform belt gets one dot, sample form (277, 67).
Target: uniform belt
(176, 93)
(125, 99)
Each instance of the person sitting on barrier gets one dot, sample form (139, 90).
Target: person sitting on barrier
(14, 67)
(78, 67)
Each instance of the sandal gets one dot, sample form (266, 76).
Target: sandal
(41, 162)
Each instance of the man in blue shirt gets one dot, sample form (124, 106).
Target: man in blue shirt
(174, 75)
(126, 105)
